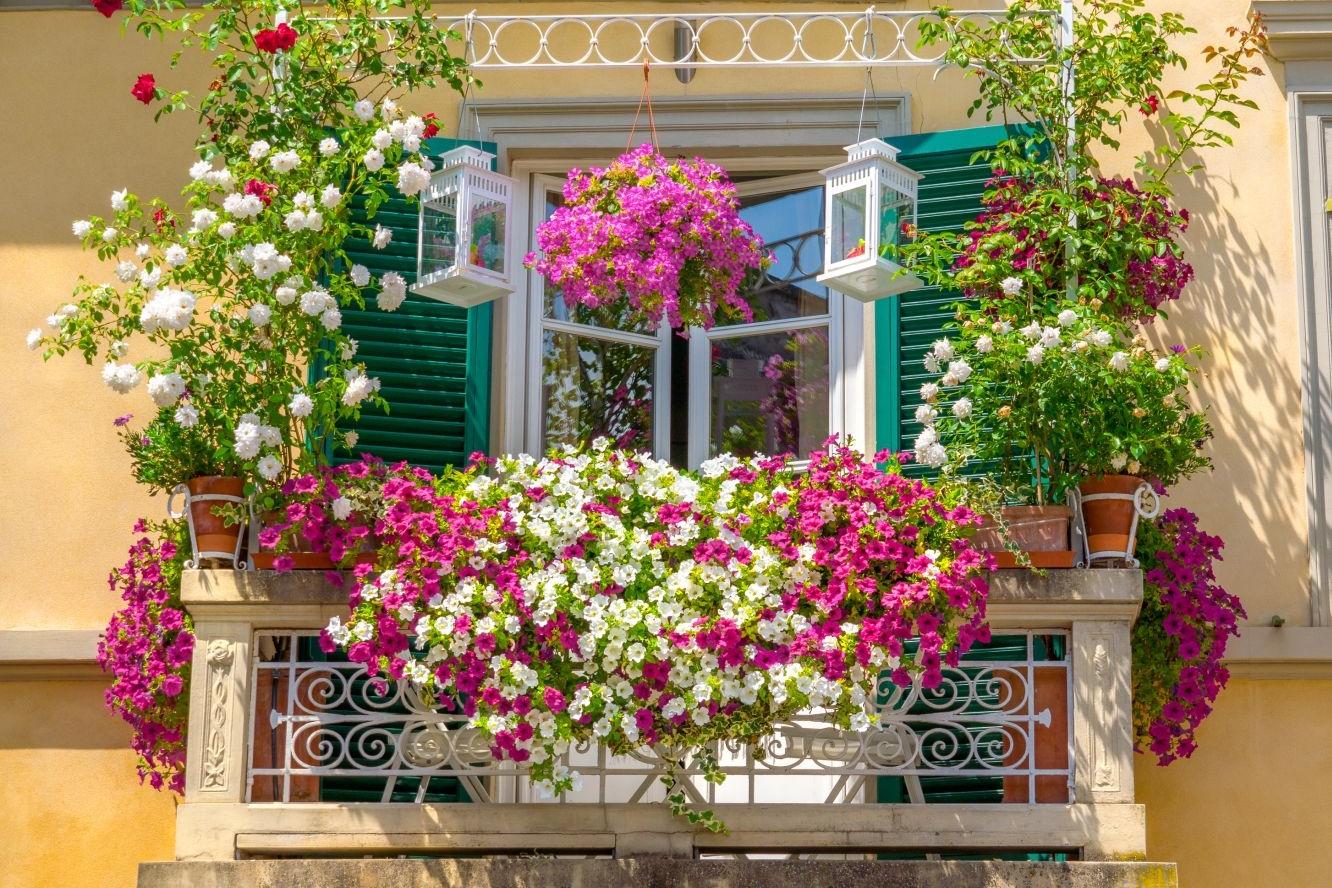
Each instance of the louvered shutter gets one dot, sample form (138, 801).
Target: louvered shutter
(433, 360)
(906, 325)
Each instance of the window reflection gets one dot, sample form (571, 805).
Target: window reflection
(593, 388)
(770, 393)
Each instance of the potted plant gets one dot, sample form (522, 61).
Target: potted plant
(1057, 404)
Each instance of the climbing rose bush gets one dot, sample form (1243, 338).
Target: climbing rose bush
(146, 650)
(1180, 638)
(605, 595)
(664, 235)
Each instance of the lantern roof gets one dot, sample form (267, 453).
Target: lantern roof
(466, 155)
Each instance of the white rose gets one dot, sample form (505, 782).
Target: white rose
(259, 149)
(120, 200)
(1011, 286)
(1162, 364)
(383, 237)
(985, 345)
(364, 110)
(328, 147)
(962, 408)
(342, 508)
(374, 160)
(360, 275)
(269, 467)
(1036, 354)
(81, 227)
(301, 405)
(1067, 317)
(260, 314)
(1119, 361)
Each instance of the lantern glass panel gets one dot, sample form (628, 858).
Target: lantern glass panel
(439, 233)
(849, 229)
(488, 219)
(895, 211)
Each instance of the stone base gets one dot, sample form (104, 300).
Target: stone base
(651, 873)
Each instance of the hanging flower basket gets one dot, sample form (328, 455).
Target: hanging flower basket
(664, 236)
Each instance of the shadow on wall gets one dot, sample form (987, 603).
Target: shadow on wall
(51, 715)
(1254, 497)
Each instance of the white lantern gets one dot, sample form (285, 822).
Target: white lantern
(462, 249)
(867, 200)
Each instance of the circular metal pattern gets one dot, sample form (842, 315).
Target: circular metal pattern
(737, 39)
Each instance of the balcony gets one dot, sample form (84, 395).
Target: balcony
(1025, 749)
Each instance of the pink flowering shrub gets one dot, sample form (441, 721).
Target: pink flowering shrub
(1180, 637)
(606, 595)
(146, 650)
(664, 235)
(1132, 263)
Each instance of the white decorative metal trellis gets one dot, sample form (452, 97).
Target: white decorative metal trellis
(316, 719)
(840, 38)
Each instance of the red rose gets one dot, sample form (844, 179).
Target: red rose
(162, 220)
(1149, 107)
(432, 125)
(108, 8)
(281, 38)
(145, 88)
(261, 189)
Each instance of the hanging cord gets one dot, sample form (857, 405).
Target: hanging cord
(869, 50)
(469, 56)
(645, 99)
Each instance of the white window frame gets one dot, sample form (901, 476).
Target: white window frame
(700, 342)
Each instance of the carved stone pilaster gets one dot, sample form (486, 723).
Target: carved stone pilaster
(1102, 702)
(215, 767)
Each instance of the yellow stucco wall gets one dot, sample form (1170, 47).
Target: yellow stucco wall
(1244, 812)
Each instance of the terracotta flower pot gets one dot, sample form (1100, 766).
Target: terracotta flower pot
(1039, 531)
(211, 533)
(1109, 521)
(304, 557)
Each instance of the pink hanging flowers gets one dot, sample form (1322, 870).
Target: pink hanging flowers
(664, 235)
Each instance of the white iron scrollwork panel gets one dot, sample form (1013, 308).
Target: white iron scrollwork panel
(322, 720)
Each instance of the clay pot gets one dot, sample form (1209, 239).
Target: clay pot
(304, 557)
(1039, 531)
(1109, 521)
(211, 533)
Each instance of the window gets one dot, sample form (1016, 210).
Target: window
(761, 386)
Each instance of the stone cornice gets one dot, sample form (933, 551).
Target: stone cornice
(1298, 30)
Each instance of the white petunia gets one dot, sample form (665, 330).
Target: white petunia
(360, 275)
(962, 408)
(301, 405)
(166, 388)
(1036, 354)
(383, 237)
(269, 467)
(1011, 286)
(1162, 364)
(1119, 361)
(284, 161)
(259, 150)
(34, 338)
(81, 227)
(187, 417)
(393, 290)
(984, 345)
(120, 377)
(331, 197)
(120, 200)
(412, 179)
(328, 147)
(342, 508)
(374, 160)
(1067, 317)
(260, 314)
(364, 110)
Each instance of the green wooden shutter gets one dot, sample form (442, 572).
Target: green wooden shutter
(906, 325)
(433, 360)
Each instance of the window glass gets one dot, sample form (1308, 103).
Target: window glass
(791, 225)
(770, 393)
(594, 387)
